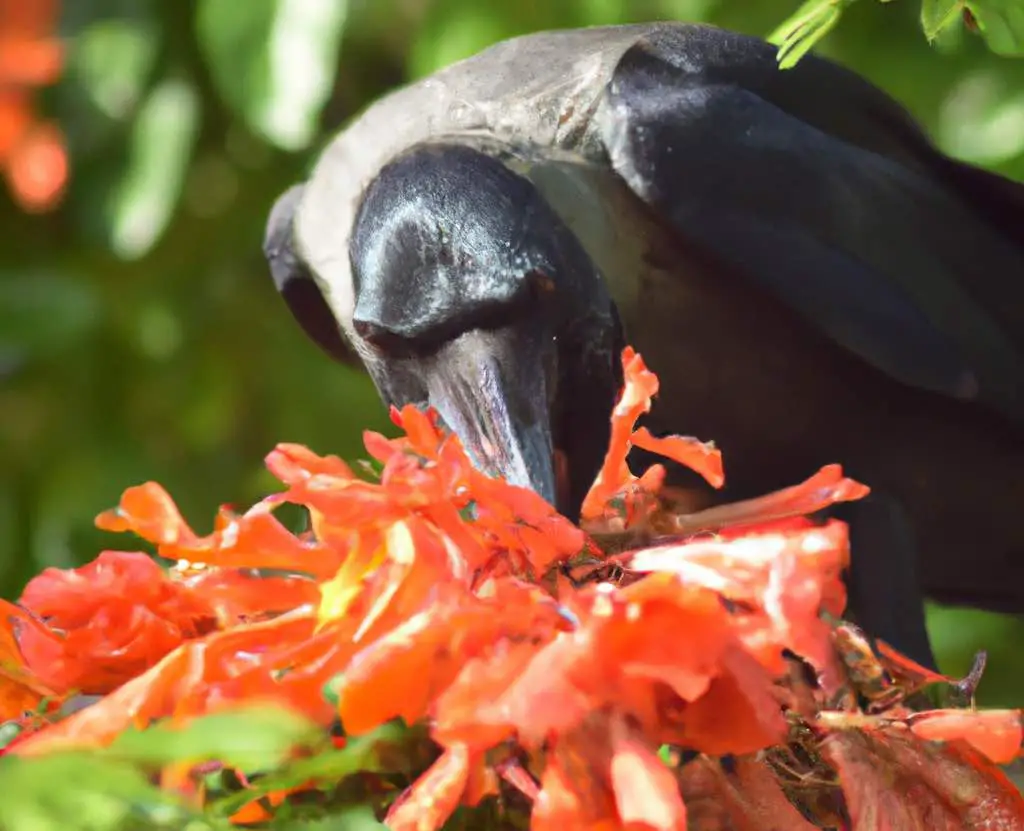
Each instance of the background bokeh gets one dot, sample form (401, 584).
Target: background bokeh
(140, 336)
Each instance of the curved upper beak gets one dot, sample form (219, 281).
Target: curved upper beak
(493, 388)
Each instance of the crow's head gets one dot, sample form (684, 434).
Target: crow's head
(464, 290)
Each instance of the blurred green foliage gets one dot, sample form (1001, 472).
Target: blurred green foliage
(140, 335)
(114, 787)
(999, 22)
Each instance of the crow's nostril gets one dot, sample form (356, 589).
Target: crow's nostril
(368, 330)
(381, 337)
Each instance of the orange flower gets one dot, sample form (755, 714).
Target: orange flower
(32, 152)
(107, 621)
(241, 596)
(21, 690)
(782, 580)
(605, 775)
(616, 660)
(247, 663)
(255, 539)
(436, 794)
(615, 480)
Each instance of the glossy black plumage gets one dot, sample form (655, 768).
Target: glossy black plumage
(811, 278)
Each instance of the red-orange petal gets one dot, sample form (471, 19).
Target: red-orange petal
(646, 791)
(148, 511)
(998, 734)
(702, 457)
(427, 805)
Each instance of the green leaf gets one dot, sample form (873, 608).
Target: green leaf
(1001, 23)
(805, 28)
(80, 791)
(373, 752)
(274, 61)
(160, 149)
(254, 738)
(937, 16)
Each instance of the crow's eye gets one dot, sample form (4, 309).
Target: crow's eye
(540, 282)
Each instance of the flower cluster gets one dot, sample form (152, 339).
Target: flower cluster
(701, 680)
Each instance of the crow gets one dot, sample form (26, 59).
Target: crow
(811, 278)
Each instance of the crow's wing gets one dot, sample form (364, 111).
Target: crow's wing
(818, 187)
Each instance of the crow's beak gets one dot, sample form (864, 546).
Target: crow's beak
(493, 389)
